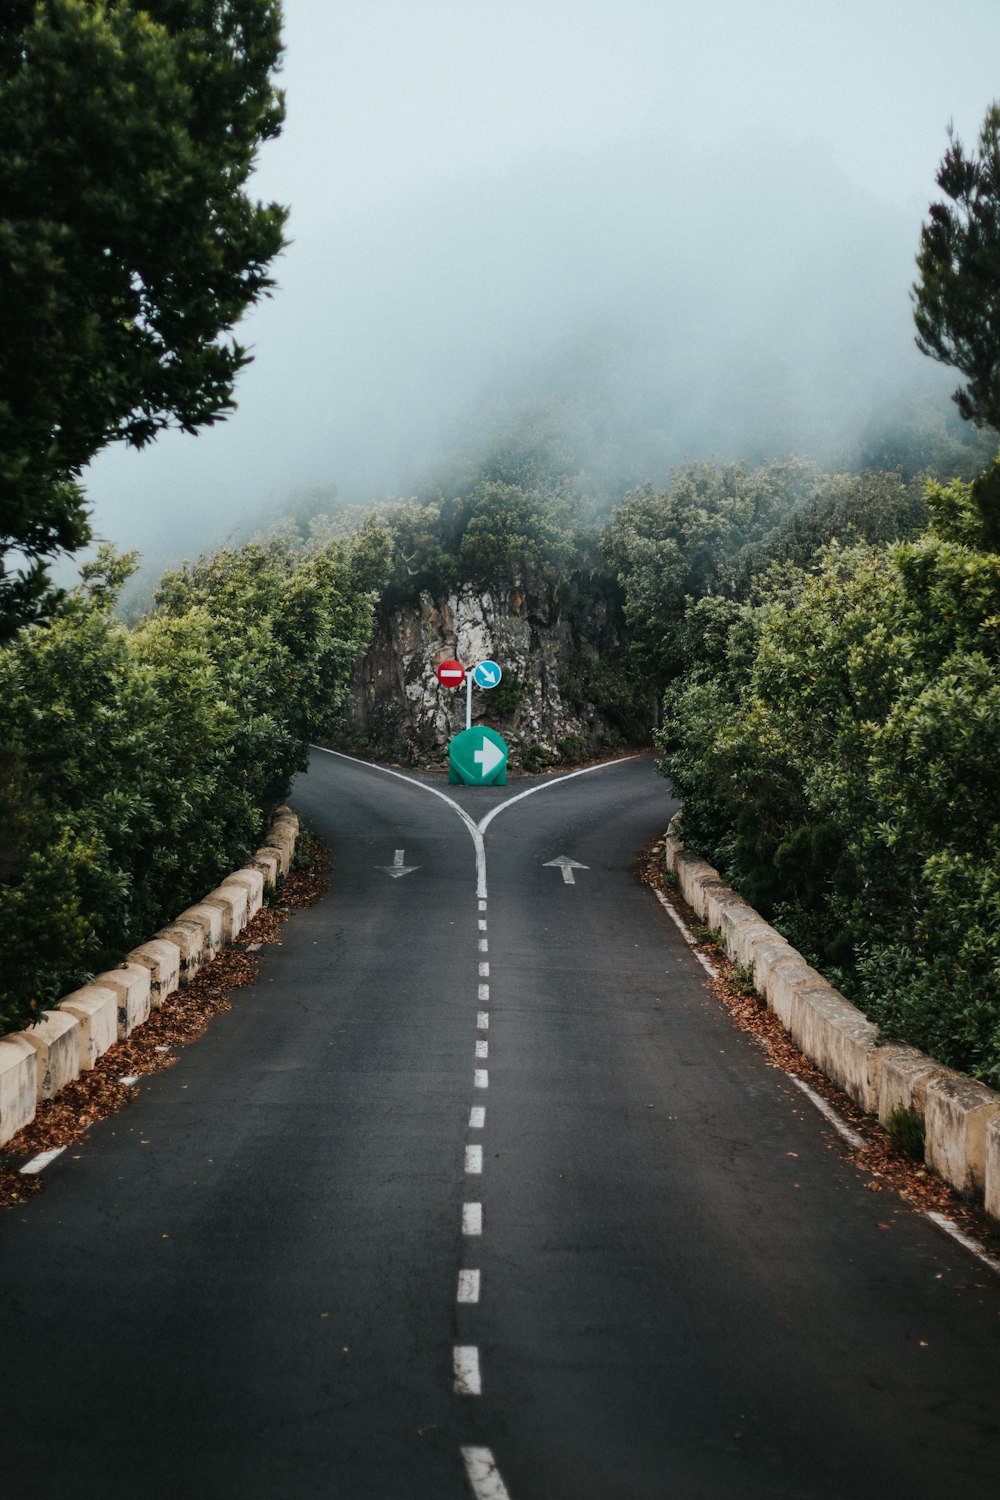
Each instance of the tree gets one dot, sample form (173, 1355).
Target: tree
(128, 246)
(957, 298)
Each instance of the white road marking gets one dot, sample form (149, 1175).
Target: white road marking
(965, 1240)
(484, 945)
(567, 866)
(483, 1050)
(468, 1286)
(678, 922)
(484, 971)
(465, 1362)
(482, 924)
(474, 1160)
(398, 869)
(483, 1020)
(481, 1078)
(472, 1218)
(476, 830)
(543, 786)
(829, 1113)
(41, 1161)
(484, 992)
(477, 1117)
(484, 1477)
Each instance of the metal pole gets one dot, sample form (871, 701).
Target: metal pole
(468, 701)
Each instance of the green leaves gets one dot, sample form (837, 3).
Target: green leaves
(957, 297)
(138, 766)
(129, 248)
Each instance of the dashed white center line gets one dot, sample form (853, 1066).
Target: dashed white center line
(468, 1286)
(482, 924)
(474, 1160)
(468, 1381)
(483, 1021)
(482, 1049)
(477, 1117)
(484, 1478)
(482, 906)
(472, 1218)
(484, 992)
(484, 945)
(484, 971)
(481, 1078)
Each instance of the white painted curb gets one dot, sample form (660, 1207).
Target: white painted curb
(961, 1117)
(67, 1040)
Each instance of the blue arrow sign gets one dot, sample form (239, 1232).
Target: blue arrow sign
(487, 674)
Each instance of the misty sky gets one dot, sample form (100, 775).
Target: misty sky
(694, 225)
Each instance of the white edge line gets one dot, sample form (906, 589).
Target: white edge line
(474, 831)
(41, 1161)
(485, 822)
(829, 1113)
(965, 1240)
(484, 1477)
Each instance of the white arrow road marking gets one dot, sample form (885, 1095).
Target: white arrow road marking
(567, 866)
(489, 757)
(398, 868)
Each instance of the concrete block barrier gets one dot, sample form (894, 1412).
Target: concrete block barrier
(266, 860)
(958, 1111)
(56, 1040)
(132, 984)
(839, 1039)
(253, 880)
(766, 952)
(231, 900)
(281, 838)
(189, 939)
(96, 1008)
(742, 928)
(693, 873)
(35, 1064)
(163, 960)
(961, 1116)
(904, 1076)
(991, 1192)
(209, 919)
(18, 1085)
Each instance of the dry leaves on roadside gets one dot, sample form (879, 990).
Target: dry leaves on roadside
(885, 1165)
(99, 1093)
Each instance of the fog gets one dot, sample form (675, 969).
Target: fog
(689, 232)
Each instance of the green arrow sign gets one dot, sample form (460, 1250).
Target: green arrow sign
(478, 757)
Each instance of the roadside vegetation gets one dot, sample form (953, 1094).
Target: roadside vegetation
(815, 652)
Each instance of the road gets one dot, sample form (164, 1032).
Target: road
(250, 1283)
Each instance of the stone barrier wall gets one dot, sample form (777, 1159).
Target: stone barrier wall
(961, 1117)
(67, 1040)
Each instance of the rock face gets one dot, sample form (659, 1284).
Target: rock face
(548, 658)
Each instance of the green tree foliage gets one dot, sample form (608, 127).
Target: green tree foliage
(957, 298)
(139, 765)
(671, 545)
(836, 748)
(128, 245)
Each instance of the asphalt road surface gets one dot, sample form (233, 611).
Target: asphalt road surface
(478, 1192)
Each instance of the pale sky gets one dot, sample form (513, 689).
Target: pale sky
(708, 214)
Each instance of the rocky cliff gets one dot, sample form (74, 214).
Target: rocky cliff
(564, 692)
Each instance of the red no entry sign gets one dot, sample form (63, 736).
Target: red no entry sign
(451, 673)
